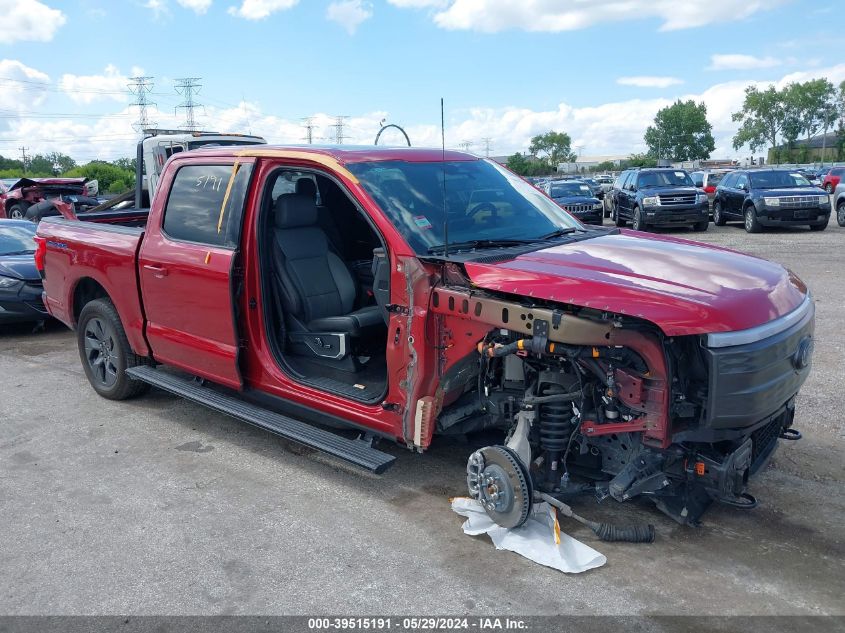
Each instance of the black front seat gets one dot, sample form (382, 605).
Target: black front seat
(317, 291)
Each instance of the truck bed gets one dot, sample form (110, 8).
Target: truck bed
(83, 257)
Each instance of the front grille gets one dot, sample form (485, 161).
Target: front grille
(678, 199)
(798, 202)
(578, 208)
(35, 285)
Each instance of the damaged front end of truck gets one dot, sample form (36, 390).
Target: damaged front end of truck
(604, 403)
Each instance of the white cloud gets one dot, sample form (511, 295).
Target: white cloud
(89, 88)
(349, 13)
(197, 6)
(608, 128)
(491, 16)
(159, 8)
(736, 61)
(260, 9)
(29, 20)
(24, 88)
(645, 81)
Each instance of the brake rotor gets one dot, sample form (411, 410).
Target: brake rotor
(499, 481)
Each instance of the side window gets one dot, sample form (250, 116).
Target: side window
(620, 180)
(741, 181)
(728, 181)
(195, 211)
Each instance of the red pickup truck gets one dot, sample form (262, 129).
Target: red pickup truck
(405, 293)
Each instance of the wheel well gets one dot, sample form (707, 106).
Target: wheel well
(86, 291)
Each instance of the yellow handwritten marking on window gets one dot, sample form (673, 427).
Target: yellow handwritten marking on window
(235, 169)
(208, 257)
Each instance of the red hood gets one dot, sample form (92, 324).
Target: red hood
(682, 286)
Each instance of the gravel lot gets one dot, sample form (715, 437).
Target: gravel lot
(157, 506)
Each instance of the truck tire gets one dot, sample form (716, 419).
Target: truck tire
(105, 352)
(618, 221)
(718, 218)
(751, 223)
(829, 188)
(637, 223)
(17, 211)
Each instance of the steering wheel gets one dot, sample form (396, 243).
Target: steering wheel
(484, 206)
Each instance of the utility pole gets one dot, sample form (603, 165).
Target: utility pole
(308, 124)
(339, 123)
(488, 146)
(140, 87)
(465, 145)
(188, 87)
(24, 158)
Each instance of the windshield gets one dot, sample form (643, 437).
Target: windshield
(569, 190)
(778, 180)
(664, 178)
(483, 201)
(19, 238)
(714, 179)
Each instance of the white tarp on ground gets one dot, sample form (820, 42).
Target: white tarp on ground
(538, 539)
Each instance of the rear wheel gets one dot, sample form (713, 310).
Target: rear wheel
(17, 212)
(105, 352)
(751, 223)
(829, 187)
(840, 213)
(637, 223)
(618, 221)
(718, 218)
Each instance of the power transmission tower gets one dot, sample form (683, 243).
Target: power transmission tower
(465, 145)
(488, 145)
(308, 124)
(339, 123)
(140, 87)
(24, 157)
(188, 87)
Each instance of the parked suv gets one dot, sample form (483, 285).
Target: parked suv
(576, 198)
(770, 197)
(832, 178)
(659, 196)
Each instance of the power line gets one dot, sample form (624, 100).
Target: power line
(140, 87)
(339, 123)
(308, 124)
(188, 87)
(24, 158)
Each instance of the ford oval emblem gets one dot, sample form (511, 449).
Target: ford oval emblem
(804, 353)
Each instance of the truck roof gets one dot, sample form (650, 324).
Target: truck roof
(344, 154)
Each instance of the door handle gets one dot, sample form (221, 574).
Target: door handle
(157, 271)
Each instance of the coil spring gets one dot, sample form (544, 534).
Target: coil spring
(555, 420)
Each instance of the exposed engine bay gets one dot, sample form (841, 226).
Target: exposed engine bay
(607, 405)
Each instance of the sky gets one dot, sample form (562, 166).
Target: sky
(508, 70)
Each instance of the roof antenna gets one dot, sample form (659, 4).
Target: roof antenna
(443, 164)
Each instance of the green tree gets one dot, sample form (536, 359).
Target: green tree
(761, 119)
(681, 131)
(554, 147)
(640, 160)
(607, 165)
(49, 164)
(11, 164)
(127, 163)
(518, 164)
(105, 173)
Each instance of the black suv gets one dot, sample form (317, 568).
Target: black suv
(770, 197)
(658, 196)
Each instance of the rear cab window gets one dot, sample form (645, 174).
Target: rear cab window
(205, 204)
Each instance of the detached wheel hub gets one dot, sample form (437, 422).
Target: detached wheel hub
(500, 482)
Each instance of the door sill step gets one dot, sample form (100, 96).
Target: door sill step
(357, 452)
